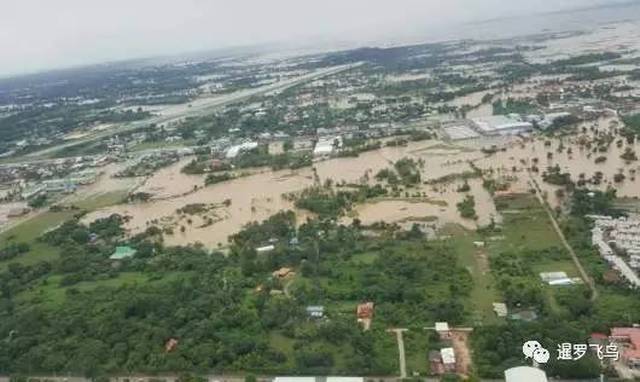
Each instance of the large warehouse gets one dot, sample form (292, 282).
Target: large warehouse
(502, 125)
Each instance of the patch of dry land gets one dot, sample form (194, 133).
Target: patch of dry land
(217, 211)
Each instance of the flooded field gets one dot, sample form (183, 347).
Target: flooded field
(255, 196)
(572, 157)
(433, 212)
(233, 204)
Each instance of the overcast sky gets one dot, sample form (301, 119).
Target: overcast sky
(46, 34)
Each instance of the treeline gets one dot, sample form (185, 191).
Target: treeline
(226, 313)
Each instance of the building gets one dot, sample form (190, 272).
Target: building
(266, 248)
(170, 345)
(435, 363)
(442, 328)
(502, 125)
(556, 278)
(448, 359)
(123, 252)
(326, 146)
(500, 308)
(630, 338)
(233, 151)
(60, 185)
(364, 314)
(282, 273)
(315, 311)
(525, 374)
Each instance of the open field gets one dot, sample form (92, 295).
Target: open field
(30, 229)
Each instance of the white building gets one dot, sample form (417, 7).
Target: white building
(233, 151)
(265, 249)
(326, 146)
(525, 374)
(502, 125)
(448, 358)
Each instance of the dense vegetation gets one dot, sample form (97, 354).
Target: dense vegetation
(573, 316)
(84, 313)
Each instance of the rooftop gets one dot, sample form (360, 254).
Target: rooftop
(525, 374)
(123, 253)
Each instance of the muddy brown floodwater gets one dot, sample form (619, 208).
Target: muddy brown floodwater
(255, 197)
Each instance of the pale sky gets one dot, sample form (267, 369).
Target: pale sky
(45, 34)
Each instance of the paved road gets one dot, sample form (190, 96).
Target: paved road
(401, 353)
(583, 274)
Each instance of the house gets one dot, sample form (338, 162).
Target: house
(326, 146)
(17, 212)
(170, 345)
(282, 273)
(556, 278)
(502, 125)
(265, 249)
(630, 338)
(315, 311)
(435, 363)
(123, 252)
(448, 359)
(364, 314)
(442, 328)
(500, 308)
(233, 151)
(365, 310)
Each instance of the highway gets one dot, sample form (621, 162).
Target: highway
(194, 111)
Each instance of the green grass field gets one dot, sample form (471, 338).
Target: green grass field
(525, 226)
(30, 229)
(51, 294)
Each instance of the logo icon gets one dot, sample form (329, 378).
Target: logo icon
(535, 351)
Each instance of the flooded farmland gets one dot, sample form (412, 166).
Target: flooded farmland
(255, 197)
(258, 194)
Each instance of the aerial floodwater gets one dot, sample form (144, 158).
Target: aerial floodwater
(449, 204)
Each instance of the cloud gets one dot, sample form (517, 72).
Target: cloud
(41, 34)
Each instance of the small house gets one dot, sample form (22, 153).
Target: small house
(442, 328)
(315, 311)
(500, 308)
(266, 249)
(282, 273)
(123, 252)
(448, 359)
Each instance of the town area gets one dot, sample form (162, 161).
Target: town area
(413, 212)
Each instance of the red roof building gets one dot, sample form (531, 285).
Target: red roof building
(365, 310)
(630, 337)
